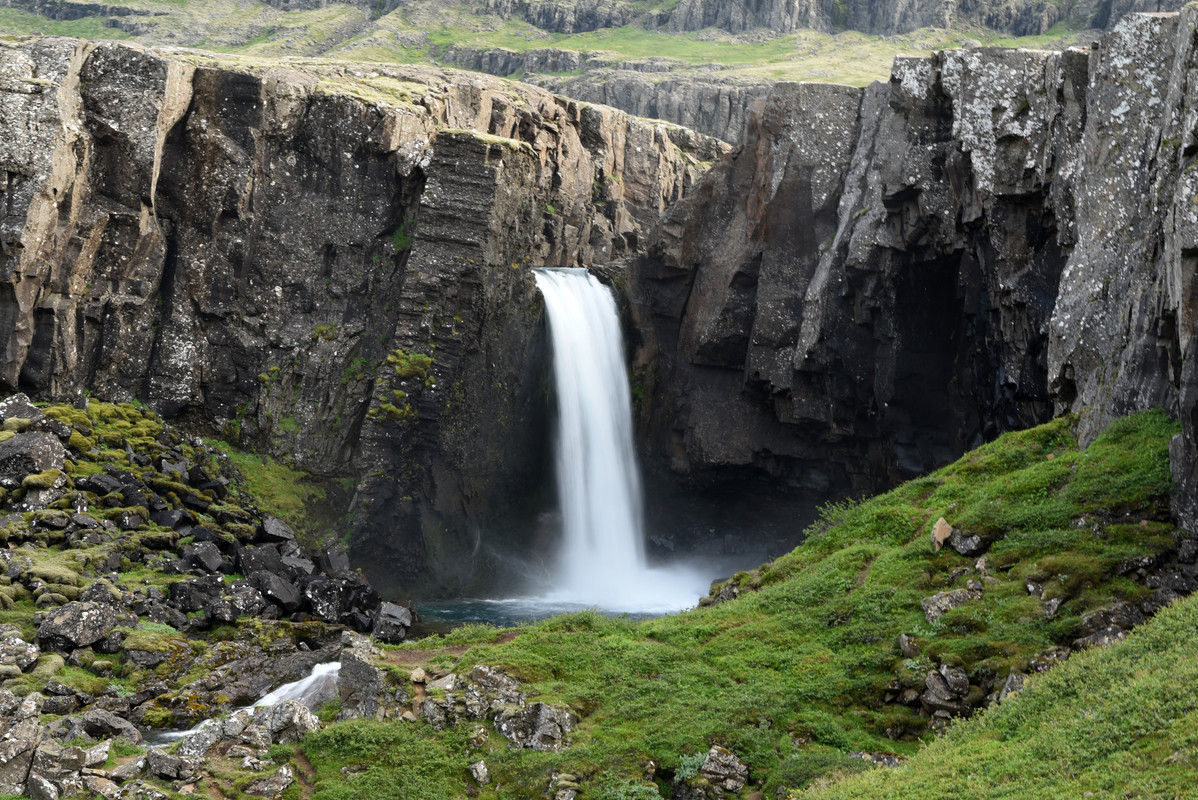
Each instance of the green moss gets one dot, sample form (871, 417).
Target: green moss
(42, 480)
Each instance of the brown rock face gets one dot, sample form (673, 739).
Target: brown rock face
(329, 262)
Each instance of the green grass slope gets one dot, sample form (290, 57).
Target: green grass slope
(423, 30)
(793, 674)
(1117, 722)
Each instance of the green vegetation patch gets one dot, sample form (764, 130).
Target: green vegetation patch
(1114, 722)
(792, 674)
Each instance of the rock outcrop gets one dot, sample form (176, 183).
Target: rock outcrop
(332, 262)
(882, 278)
(1020, 17)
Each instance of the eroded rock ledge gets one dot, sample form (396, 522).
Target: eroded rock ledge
(326, 260)
(880, 279)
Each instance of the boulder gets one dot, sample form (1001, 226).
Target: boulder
(273, 786)
(939, 695)
(17, 748)
(258, 559)
(1120, 615)
(539, 726)
(204, 556)
(392, 623)
(935, 606)
(17, 652)
(56, 763)
(277, 589)
(101, 724)
(76, 624)
(102, 787)
(273, 529)
(195, 593)
(163, 765)
(40, 788)
(19, 406)
(1100, 638)
(940, 533)
(723, 769)
(967, 544)
(28, 454)
(360, 685)
(286, 722)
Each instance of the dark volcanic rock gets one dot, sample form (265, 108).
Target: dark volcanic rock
(76, 624)
(304, 238)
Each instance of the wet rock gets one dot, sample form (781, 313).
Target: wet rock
(538, 726)
(723, 769)
(935, 606)
(392, 623)
(286, 722)
(76, 624)
(360, 685)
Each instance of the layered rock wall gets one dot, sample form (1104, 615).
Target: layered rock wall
(330, 263)
(880, 279)
(1017, 17)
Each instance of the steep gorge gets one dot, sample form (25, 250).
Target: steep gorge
(331, 262)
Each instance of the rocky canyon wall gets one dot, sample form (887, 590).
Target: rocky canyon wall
(328, 262)
(879, 279)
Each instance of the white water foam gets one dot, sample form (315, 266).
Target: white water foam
(603, 560)
(320, 685)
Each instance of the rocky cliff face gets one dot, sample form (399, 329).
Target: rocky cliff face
(880, 279)
(1019, 17)
(715, 101)
(329, 263)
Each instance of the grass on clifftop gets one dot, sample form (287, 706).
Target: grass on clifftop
(791, 675)
(420, 32)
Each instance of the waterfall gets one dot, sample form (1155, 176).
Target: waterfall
(603, 556)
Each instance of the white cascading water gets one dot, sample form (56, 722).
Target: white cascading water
(603, 559)
(320, 685)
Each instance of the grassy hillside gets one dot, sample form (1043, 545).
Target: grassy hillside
(1117, 722)
(793, 674)
(419, 32)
